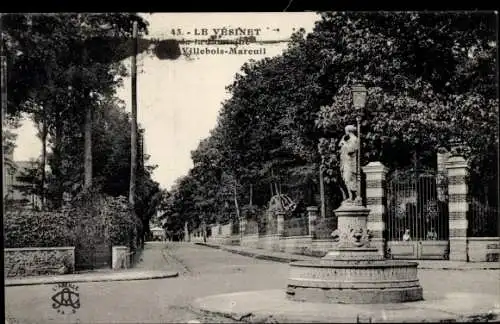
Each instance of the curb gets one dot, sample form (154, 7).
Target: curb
(117, 276)
(253, 255)
(288, 260)
(269, 309)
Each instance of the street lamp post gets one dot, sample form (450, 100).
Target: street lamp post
(359, 100)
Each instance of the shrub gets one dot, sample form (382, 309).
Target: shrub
(28, 228)
(105, 218)
(100, 222)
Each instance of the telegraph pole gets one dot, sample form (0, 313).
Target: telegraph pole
(3, 71)
(133, 134)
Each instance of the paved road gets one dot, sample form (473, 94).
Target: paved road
(202, 271)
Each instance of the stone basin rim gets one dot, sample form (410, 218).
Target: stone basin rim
(354, 264)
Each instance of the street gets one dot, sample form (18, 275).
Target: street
(202, 271)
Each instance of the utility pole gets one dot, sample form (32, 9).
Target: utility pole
(3, 71)
(133, 134)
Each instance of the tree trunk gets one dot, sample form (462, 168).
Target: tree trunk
(236, 205)
(57, 163)
(44, 159)
(322, 192)
(133, 134)
(251, 195)
(87, 183)
(88, 146)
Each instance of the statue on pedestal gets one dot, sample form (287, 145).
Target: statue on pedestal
(349, 146)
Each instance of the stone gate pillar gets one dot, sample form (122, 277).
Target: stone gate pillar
(242, 225)
(376, 202)
(458, 169)
(312, 215)
(280, 222)
(187, 234)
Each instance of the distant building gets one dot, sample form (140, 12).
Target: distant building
(17, 190)
(158, 233)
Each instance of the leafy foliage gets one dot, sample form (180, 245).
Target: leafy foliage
(28, 228)
(59, 66)
(430, 77)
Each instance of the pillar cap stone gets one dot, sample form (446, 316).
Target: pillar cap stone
(455, 162)
(375, 167)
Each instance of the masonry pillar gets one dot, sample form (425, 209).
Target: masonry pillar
(243, 225)
(457, 168)
(280, 220)
(312, 215)
(376, 202)
(187, 237)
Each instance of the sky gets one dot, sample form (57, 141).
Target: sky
(178, 100)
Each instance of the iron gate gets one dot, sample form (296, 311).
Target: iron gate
(417, 217)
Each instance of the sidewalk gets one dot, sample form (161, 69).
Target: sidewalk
(151, 265)
(290, 257)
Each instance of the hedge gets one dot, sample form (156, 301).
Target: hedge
(90, 220)
(27, 228)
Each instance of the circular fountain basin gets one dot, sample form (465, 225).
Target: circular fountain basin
(354, 282)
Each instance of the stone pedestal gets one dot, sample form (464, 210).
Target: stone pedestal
(120, 257)
(353, 272)
(312, 215)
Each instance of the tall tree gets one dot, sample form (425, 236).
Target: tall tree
(133, 137)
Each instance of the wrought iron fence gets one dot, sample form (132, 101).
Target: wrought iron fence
(268, 224)
(296, 226)
(235, 227)
(417, 206)
(325, 227)
(482, 219)
(252, 227)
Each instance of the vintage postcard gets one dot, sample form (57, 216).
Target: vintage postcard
(267, 167)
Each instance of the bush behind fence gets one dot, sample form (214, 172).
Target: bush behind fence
(91, 220)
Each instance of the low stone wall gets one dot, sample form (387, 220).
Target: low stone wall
(221, 230)
(224, 240)
(304, 245)
(321, 247)
(269, 242)
(296, 244)
(24, 262)
(250, 240)
(196, 239)
(484, 249)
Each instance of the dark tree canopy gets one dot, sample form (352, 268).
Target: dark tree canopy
(431, 79)
(58, 66)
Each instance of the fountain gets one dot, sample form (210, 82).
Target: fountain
(353, 272)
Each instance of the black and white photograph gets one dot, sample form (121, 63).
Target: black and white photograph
(250, 167)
